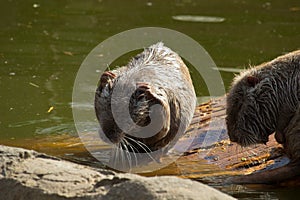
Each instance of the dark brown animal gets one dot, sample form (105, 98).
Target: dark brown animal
(156, 77)
(263, 100)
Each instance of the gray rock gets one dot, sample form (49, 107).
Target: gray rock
(26, 174)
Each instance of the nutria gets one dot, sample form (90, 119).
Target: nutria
(263, 100)
(157, 76)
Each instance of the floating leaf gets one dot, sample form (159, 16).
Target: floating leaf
(50, 109)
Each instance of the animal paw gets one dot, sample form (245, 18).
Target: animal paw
(144, 90)
(106, 78)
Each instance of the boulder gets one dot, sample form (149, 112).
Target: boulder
(27, 174)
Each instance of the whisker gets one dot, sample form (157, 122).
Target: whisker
(116, 155)
(131, 147)
(127, 154)
(122, 154)
(141, 145)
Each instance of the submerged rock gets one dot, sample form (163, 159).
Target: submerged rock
(27, 174)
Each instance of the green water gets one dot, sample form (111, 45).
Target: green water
(42, 44)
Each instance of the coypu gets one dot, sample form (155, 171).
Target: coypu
(157, 76)
(263, 100)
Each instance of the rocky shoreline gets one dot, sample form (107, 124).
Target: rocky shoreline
(27, 174)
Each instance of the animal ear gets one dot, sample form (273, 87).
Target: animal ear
(252, 80)
(106, 77)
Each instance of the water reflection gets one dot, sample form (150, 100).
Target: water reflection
(196, 18)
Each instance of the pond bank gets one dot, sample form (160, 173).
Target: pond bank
(27, 174)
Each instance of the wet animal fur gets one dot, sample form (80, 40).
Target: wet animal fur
(263, 100)
(162, 78)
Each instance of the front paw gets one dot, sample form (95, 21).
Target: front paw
(106, 79)
(146, 91)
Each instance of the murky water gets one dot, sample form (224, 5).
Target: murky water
(44, 42)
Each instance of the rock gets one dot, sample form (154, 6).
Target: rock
(27, 174)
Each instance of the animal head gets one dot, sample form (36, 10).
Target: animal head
(251, 109)
(144, 96)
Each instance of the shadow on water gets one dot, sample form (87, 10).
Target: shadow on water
(44, 42)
